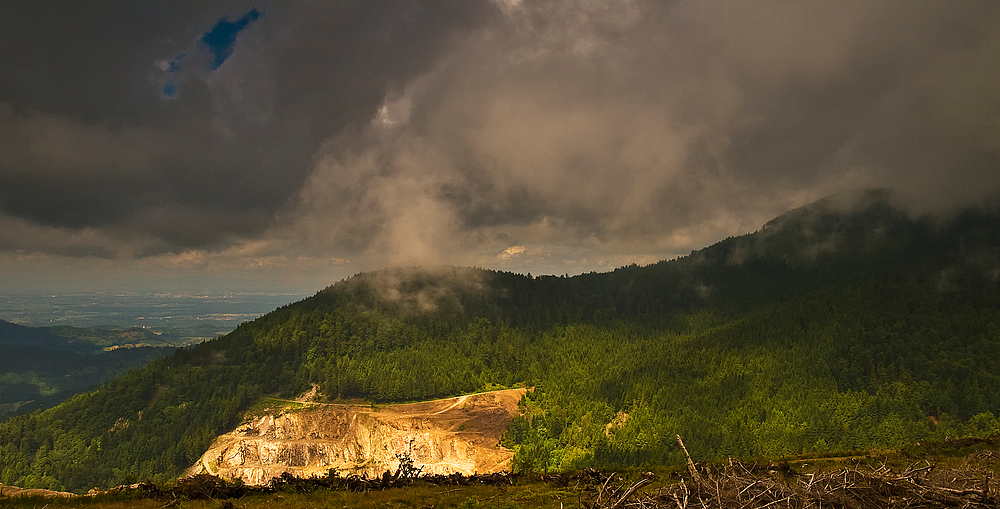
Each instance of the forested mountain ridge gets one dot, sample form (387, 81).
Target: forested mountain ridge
(32, 378)
(836, 326)
(42, 366)
(94, 340)
(42, 337)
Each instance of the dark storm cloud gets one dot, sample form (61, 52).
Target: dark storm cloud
(656, 127)
(515, 133)
(883, 104)
(87, 138)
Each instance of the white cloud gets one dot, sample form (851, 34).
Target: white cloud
(511, 252)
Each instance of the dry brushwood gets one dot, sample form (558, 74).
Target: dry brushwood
(619, 494)
(739, 486)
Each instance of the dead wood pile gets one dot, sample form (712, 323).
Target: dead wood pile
(737, 485)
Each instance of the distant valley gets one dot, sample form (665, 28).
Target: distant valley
(60, 345)
(42, 366)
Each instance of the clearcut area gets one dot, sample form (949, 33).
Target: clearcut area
(445, 436)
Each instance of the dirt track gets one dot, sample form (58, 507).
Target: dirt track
(14, 491)
(443, 436)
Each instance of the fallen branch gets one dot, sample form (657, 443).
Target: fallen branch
(695, 476)
(642, 482)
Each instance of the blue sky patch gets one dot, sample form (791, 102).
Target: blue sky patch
(218, 44)
(221, 38)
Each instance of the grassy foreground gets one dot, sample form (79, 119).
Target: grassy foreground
(525, 492)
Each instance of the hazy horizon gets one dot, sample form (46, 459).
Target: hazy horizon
(158, 311)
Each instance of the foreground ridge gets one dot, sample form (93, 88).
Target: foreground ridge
(869, 482)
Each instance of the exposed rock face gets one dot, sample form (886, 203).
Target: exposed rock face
(443, 436)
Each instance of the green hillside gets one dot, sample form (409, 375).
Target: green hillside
(32, 378)
(42, 366)
(826, 330)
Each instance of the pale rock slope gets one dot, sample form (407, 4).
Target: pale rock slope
(455, 435)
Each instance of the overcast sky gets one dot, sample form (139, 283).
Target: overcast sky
(285, 145)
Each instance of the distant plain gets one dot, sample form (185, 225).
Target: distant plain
(209, 313)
